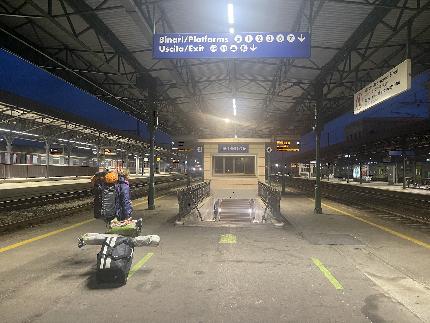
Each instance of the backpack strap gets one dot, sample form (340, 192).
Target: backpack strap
(106, 253)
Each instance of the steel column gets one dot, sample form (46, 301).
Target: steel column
(9, 141)
(404, 170)
(268, 169)
(47, 150)
(152, 126)
(318, 107)
(284, 165)
(361, 176)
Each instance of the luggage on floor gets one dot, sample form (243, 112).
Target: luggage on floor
(104, 197)
(114, 260)
(97, 239)
(124, 208)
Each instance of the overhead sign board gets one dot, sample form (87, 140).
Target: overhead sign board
(392, 83)
(287, 145)
(233, 148)
(227, 45)
(56, 151)
(108, 151)
(401, 153)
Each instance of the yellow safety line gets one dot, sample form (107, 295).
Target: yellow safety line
(46, 235)
(227, 238)
(381, 227)
(140, 264)
(327, 273)
(43, 236)
(146, 200)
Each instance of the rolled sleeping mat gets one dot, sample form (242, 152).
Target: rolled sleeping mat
(97, 239)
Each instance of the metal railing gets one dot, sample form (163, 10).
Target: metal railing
(191, 196)
(271, 197)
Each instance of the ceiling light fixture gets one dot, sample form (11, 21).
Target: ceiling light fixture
(230, 13)
(234, 107)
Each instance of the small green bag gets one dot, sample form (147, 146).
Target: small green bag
(129, 230)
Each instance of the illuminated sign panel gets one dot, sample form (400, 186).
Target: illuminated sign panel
(287, 145)
(227, 45)
(392, 83)
(233, 148)
(108, 151)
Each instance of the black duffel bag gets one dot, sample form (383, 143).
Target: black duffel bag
(114, 260)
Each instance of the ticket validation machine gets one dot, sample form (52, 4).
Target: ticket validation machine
(234, 166)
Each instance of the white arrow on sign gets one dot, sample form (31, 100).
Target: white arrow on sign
(301, 38)
(253, 48)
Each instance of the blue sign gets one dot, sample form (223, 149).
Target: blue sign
(401, 153)
(233, 148)
(226, 45)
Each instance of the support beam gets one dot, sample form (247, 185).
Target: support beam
(188, 85)
(318, 128)
(152, 128)
(9, 141)
(284, 166)
(93, 20)
(47, 154)
(404, 169)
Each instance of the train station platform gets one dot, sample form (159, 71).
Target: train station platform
(6, 184)
(30, 189)
(343, 266)
(398, 187)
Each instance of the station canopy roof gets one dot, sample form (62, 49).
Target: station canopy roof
(102, 46)
(24, 122)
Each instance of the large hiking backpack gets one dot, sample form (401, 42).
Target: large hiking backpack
(124, 208)
(104, 198)
(114, 260)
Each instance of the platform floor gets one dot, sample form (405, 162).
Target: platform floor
(318, 268)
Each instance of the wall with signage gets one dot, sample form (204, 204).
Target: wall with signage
(234, 165)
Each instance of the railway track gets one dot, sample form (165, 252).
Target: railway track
(34, 209)
(408, 209)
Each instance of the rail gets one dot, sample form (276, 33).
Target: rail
(271, 197)
(411, 205)
(191, 196)
(50, 204)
